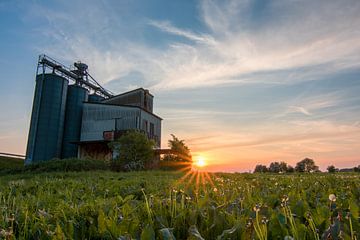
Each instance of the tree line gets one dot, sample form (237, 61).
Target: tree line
(305, 165)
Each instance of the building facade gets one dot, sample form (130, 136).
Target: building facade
(107, 120)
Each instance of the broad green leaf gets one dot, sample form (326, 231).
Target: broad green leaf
(194, 233)
(148, 233)
(166, 234)
(227, 232)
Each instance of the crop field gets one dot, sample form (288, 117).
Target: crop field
(173, 205)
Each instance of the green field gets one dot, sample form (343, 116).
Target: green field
(10, 163)
(163, 205)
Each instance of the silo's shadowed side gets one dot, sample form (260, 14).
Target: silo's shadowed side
(76, 96)
(47, 119)
(95, 98)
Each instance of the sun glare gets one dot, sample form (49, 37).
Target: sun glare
(200, 162)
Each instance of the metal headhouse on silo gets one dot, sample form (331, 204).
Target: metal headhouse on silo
(57, 109)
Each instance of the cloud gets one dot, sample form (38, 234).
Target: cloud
(292, 43)
(296, 133)
(300, 110)
(169, 28)
(310, 104)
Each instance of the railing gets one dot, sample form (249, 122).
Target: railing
(12, 155)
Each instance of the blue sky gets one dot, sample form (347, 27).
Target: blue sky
(243, 82)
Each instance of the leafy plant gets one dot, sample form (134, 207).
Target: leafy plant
(135, 152)
(162, 205)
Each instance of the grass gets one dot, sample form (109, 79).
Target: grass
(169, 205)
(16, 166)
(7, 163)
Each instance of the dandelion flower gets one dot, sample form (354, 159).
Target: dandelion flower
(257, 208)
(332, 197)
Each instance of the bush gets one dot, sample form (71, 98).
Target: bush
(135, 152)
(67, 165)
(174, 166)
(7, 163)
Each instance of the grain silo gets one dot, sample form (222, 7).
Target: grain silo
(57, 109)
(76, 96)
(47, 119)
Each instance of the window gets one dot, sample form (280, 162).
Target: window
(152, 129)
(145, 126)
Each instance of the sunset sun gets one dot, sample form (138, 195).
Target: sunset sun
(200, 162)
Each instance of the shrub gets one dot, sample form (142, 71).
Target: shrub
(7, 163)
(67, 165)
(135, 152)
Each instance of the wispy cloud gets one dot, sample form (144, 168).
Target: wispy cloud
(296, 44)
(294, 133)
(169, 28)
(310, 105)
(299, 109)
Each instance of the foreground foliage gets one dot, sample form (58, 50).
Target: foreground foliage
(10, 163)
(53, 165)
(135, 152)
(163, 205)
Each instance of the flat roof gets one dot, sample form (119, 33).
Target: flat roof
(125, 93)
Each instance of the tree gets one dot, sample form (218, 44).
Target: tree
(180, 156)
(182, 152)
(135, 151)
(290, 169)
(276, 167)
(306, 165)
(283, 167)
(260, 169)
(332, 169)
(357, 169)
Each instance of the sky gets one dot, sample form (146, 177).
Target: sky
(243, 82)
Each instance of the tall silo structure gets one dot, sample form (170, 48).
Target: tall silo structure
(95, 98)
(57, 104)
(47, 119)
(76, 96)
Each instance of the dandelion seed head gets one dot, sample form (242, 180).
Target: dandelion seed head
(288, 238)
(332, 197)
(257, 207)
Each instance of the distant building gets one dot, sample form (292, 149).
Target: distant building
(81, 118)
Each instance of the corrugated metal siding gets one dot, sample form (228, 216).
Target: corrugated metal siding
(132, 98)
(95, 98)
(98, 118)
(145, 116)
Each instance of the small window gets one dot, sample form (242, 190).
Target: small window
(152, 129)
(145, 126)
